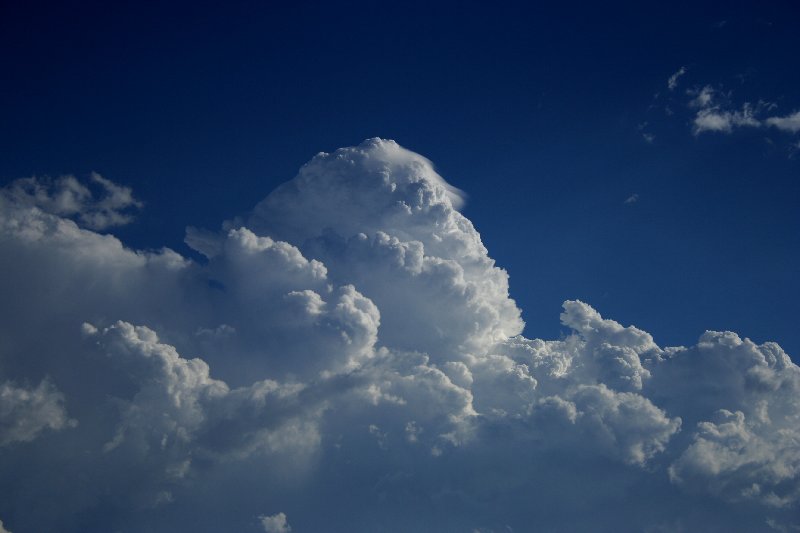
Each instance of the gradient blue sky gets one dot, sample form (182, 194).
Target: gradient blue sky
(538, 112)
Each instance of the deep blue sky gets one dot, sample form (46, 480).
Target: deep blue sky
(538, 113)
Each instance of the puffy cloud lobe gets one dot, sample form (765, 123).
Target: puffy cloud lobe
(349, 353)
(288, 308)
(733, 457)
(402, 243)
(744, 403)
(585, 386)
(275, 523)
(178, 406)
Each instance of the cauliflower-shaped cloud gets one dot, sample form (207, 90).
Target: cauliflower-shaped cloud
(348, 352)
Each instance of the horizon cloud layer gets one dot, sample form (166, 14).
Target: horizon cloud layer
(348, 358)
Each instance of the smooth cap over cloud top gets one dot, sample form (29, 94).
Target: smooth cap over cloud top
(349, 354)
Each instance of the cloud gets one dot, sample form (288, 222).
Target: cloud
(717, 120)
(67, 197)
(26, 412)
(714, 114)
(348, 352)
(789, 123)
(275, 523)
(632, 199)
(702, 98)
(672, 82)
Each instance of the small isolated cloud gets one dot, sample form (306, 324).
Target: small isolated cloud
(672, 81)
(789, 123)
(632, 199)
(716, 119)
(714, 113)
(275, 523)
(646, 135)
(702, 98)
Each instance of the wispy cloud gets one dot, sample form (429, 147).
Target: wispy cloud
(724, 121)
(646, 135)
(66, 196)
(714, 113)
(790, 123)
(632, 199)
(701, 98)
(714, 109)
(672, 81)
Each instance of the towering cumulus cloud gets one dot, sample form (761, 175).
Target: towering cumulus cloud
(346, 357)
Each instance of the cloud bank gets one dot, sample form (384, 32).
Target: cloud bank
(347, 358)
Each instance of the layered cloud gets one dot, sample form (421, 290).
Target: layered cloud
(347, 355)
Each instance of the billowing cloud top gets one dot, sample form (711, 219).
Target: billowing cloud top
(348, 358)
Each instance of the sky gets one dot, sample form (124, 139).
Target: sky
(391, 267)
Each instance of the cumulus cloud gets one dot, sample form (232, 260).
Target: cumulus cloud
(349, 353)
(275, 523)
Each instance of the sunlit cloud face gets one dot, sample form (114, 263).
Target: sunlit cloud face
(347, 357)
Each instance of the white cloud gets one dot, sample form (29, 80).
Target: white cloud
(68, 197)
(672, 82)
(790, 123)
(350, 348)
(702, 98)
(718, 120)
(715, 114)
(26, 412)
(275, 523)
(632, 199)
